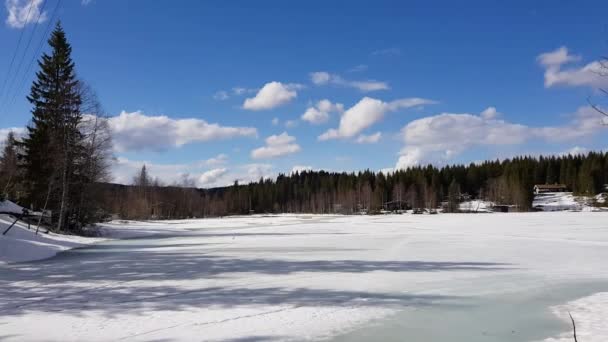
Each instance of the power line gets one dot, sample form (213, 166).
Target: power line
(10, 66)
(29, 42)
(34, 56)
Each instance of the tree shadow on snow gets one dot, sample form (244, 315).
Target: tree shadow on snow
(114, 279)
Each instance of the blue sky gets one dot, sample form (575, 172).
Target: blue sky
(384, 84)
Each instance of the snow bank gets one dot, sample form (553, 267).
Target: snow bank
(21, 244)
(561, 201)
(10, 207)
(590, 314)
(476, 206)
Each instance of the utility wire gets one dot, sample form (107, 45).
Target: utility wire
(10, 66)
(21, 86)
(29, 42)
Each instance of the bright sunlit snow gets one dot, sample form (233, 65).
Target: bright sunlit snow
(295, 277)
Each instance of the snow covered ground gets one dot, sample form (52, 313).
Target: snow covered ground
(478, 206)
(560, 201)
(301, 277)
(590, 315)
(22, 244)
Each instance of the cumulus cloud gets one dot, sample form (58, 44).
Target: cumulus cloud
(575, 151)
(322, 78)
(555, 74)
(490, 113)
(369, 139)
(253, 172)
(439, 138)
(205, 173)
(272, 95)
(276, 146)
(300, 169)
(366, 113)
(18, 131)
(211, 177)
(137, 131)
(319, 113)
(23, 12)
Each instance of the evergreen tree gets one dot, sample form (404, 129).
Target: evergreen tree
(9, 171)
(52, 148)
(453, 197)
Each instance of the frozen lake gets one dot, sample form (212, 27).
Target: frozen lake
(485, 277)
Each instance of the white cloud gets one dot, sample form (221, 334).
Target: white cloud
(209, 178)
(320, 113)
(221, 95)
(439, 138)
(220, 159)
(253, 172)
(242, 90)
(124, 169)
(575, 151)
(490, 113)
(369, 139)
(23, 12)
(276, 146)
(591, 74)
(272, 95)
(291, 123)
(320, 77)
(366, 113)
(137, 131)
(323, 78)
(18, 131)
(275, 121)
(300, 168)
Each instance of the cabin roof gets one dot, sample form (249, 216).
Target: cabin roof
(550, 186)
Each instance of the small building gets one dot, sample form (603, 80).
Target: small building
(396, 205)
(544, 188)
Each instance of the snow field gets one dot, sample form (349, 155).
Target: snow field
(292, 277)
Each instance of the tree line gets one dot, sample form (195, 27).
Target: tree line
(507, 182)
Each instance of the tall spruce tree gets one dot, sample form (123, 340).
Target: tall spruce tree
(9, 171)
(52, 147)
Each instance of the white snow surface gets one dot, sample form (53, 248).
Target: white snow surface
(560, 201)
(476, 205)
(589, 314)
(21, 244)
(292, 277)
(10, 207)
